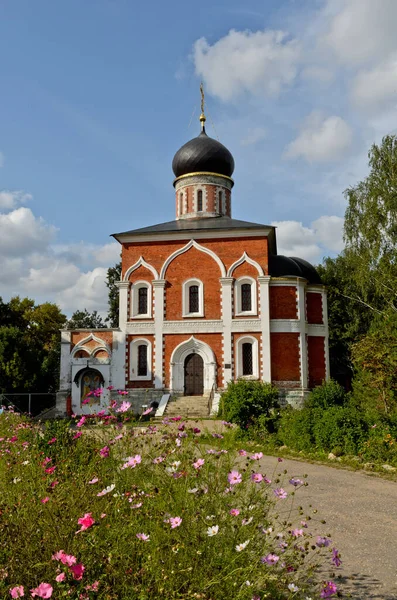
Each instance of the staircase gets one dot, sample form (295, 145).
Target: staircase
(194, 407)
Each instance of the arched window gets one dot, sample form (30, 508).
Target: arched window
(247, 357)
(245, 297)
(199, 201)
(140, 360)
(141, 300)
(193, 298)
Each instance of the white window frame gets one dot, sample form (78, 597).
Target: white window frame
(134, 360)
(135, 287)
(185, 298)
(239, 357)
(237, 297)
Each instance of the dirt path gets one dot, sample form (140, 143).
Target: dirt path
(361, 514)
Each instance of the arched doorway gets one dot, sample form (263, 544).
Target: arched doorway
(179, 355)
(194, 375)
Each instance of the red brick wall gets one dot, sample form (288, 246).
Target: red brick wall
(316, 359)
(171, 341)
(138, 384)
(314, 307)
(283, 302)
(77, 336)
(285, 360)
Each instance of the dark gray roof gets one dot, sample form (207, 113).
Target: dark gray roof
(200, 224)
(203, 154)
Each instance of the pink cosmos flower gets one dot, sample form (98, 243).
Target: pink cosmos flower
(81, 422)
(257, 456)
(124, 406)
(110, 387)
(95, 480)
(46, 461)
(65, 559)
(297, 532)
(243, 452)
(77, 435)
(280, 493)
(61, 577)
(132, 461)
(143, 537)
(52, 440)
(328, 590)
(44, 590)
(158, 460)
(196, 430)
(199, 463)
(103, 515)
(148, 410)
(336, 557)
(104, 452)
(77, 571)
(86, 522)
(175, 522)
(50, 470)
(86, 401)
(270, 559)
(234, 512)
(322, 542)
(17, 591)
(45, 500)
(234, 477)
(267, 480)
(295, 481)
(256, 477)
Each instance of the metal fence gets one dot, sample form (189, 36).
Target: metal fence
(32, 403)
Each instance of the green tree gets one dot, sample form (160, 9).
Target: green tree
(82, 319)
(371, 229)
(113, 276)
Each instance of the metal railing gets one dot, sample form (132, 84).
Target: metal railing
(32, 403)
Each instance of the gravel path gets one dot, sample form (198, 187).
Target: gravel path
(361, 515)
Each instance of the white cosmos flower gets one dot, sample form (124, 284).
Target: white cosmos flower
(293, 588)
(212, 530)
(193, 491)
(242, 546)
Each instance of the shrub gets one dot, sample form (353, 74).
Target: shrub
(245, 401)
(296, 429)
(329, 393)
(151, 514)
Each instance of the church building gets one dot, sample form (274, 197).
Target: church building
(204, 300)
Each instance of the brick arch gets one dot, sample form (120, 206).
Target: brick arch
(192, 244)
(141, 261)
(142, 273)
(245, 258)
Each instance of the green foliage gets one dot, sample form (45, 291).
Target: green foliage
(29, 345)
(330, 393)
(296, 429)
(82, 319)
(245, 401)
(50, 479)
(112, 277)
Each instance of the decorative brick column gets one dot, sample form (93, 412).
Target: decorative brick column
(158, 288)
(266, 366)
(302, 332)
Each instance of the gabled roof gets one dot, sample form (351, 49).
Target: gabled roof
(200, 224)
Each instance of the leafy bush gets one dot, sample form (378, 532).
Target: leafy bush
(245, 401)
(330, 393)
(296, 429)
(146, 513)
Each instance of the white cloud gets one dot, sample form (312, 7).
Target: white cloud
(321, 139)
(11, 199)
(253, 136)
(361, 30)
(318, 74)
(260, 63)
(322, 238)
(376, 88)
(72, 275)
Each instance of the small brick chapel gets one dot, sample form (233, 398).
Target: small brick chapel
(204, 300)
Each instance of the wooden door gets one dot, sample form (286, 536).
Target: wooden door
(194, 375)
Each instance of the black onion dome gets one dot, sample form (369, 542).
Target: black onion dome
(283, 266)
(203, 154)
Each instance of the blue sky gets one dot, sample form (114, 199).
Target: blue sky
(97, 96)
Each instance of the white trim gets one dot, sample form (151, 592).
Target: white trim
(185, 298)
(239, 357)
(187, 235)
(134, 360)
(192, 244)
(134, 302)
(202, 189)
(177, 364)
(226, 291)
(102, 346)
(158, 287)
(243, 259)
(265, 327)
(141, 262)
(237, 297)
